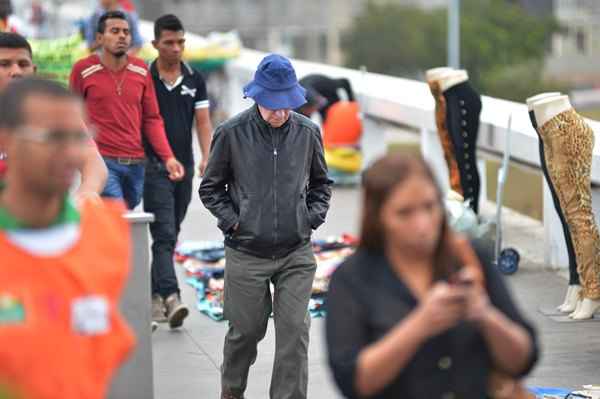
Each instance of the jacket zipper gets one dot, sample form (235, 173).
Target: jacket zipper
(275, 221)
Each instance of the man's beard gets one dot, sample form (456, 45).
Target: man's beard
(116, 53)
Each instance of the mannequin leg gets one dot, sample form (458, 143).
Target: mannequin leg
(568, 143)
(571, 299)
(577, 309)
(445, 141)
(463, 107)
(587, 309)
(574, 288)
(466, 158)
(573, 275)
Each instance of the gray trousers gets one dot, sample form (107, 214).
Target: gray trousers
(248, 305)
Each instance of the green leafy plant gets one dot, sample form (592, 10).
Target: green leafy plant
(499, 42)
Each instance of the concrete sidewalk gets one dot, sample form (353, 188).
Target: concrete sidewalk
(186, 362)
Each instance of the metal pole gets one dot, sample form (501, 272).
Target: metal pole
(454, 33)
(58, 28)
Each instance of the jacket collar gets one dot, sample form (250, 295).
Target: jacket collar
(186, 70)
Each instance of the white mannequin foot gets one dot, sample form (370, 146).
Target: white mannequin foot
(571, 299)
(587, 309)
(567, 296)
(572, 314)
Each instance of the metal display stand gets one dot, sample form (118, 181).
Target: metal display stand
(135, 378)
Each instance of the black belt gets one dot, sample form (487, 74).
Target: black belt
(127, 161)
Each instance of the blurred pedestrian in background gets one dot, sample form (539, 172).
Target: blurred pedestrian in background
(91, 26)
(326, 91)
(9, 22)
(121, 103)
(6, 10)
(182, 99)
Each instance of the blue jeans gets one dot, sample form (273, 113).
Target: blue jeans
(125, 182)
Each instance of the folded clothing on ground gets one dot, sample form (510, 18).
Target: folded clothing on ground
(549, 393)
(204, 265)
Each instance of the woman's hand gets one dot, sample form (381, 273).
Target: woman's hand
(380, 363)
(443, 308)
(478, 306)
(509, 343)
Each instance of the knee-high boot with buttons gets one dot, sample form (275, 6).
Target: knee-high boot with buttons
(463, 107)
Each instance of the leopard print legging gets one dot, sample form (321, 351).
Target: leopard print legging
(568, 144)
(440, 121)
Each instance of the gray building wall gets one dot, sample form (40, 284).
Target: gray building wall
(308, 29)
(576, 52)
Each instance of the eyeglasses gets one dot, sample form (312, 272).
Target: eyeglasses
(55, 137)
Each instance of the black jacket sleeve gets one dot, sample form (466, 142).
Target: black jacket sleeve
(213, 189)
(346, 331)
(319, 184)
(501, 298)
(348, 88)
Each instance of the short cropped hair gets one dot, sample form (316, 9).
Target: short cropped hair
(110, 15)
(12, 100)
(14, 41)
(167, 22)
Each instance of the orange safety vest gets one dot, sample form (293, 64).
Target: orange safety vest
(61, 333)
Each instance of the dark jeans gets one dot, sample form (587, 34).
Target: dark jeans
(125, 182)
(168, 201)
(573, 275)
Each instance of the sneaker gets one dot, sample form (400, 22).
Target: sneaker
(176, 311)
(231, 395)
(159, 313)
(154, 326)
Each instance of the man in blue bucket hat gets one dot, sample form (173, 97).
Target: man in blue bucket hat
(266, 183)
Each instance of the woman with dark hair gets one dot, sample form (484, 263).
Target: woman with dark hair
(417, 312)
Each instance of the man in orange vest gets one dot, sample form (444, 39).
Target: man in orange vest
(62, 269)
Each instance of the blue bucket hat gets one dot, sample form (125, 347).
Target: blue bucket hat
(275, 85)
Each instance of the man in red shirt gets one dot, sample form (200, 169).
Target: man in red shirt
(16, 62)
(121, 103)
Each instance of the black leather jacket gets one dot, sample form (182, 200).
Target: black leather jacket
(272, 181)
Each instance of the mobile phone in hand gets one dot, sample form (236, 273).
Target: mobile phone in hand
(458, 279)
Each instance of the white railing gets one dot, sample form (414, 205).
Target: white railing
(409, 103)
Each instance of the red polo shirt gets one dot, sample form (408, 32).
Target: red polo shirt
(120, 119)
